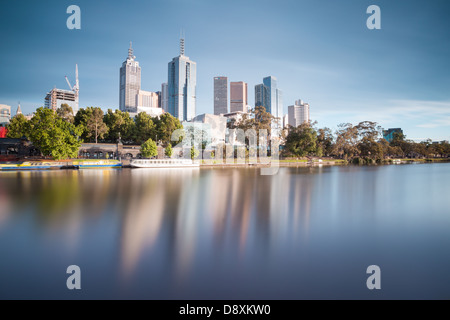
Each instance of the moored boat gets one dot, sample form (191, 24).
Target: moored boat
(31, 165)
(92, 164)
(163, 163)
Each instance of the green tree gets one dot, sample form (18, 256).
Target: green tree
(168, 151)
(165, 125)
(194, 153)
(81, 119)
(95, 126)
(54, 136)
(301, 141)
(258, 120)
(346, 144)
(397, 137)
(325, 141)
(370, 130)
(119, 124)
(149, 149)
(369, 134)
(263, 119)
(18, 127)
(441, 149)
(65, 112)
(145, 128)
(371, 149)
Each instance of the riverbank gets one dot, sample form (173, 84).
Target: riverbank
(45, 164)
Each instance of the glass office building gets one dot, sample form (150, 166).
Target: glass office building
(182, 75)
(270, 97)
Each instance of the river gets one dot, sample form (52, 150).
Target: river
(215, 233)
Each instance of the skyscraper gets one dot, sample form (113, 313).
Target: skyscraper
(164, 96)
(220, 95)
(130, 82)
(182, 75)
(298, 113)
(238, 96)
(270, 97)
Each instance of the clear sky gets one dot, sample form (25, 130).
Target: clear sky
(319, 50)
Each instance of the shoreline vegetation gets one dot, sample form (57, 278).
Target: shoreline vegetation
(58, 135)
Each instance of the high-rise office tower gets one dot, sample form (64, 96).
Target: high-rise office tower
(298, 113)
(270, 97)
(182, 75)
(220, 95)
(164, 96)
(130, 83)
(238, 96)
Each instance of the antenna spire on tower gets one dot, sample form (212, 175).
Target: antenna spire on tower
(181, 43)
(130, 52)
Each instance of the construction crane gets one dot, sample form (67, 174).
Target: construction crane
(76, 87)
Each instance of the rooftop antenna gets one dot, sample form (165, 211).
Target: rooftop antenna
(130, 52)
(181, 43)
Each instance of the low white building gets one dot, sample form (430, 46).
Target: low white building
(147, 99)
(151, 111)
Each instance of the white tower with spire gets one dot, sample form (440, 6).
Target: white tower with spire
(130, 82)
(19, 110)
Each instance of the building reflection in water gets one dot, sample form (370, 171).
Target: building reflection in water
(210, 216)
(187, 221)
(141, 221)
(157, 197)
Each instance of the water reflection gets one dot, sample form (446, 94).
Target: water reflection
(189, 232)
(217, 211)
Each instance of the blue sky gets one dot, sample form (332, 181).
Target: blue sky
(319, 50)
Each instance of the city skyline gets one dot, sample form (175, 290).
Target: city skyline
(394, 76)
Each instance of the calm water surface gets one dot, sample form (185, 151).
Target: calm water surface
(227, 233)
